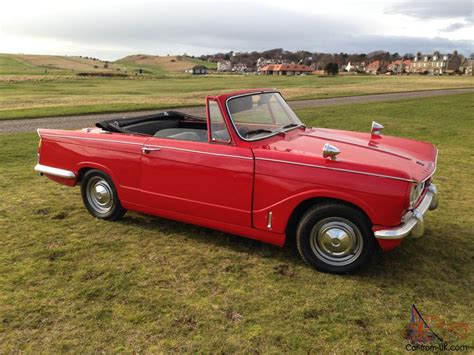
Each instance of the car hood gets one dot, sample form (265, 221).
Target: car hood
(395, 157)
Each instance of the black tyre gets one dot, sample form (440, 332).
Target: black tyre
(335, 238)
(100, 196)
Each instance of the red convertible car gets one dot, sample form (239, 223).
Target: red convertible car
(252, 168)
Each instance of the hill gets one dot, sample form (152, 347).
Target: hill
(37, 64)
(152, 64)
(34, 64)
(13, 66)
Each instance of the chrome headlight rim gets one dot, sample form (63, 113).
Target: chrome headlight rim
(416, 190)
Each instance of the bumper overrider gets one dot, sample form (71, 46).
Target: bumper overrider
(412, 221)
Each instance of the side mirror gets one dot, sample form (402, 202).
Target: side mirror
(376, 128)
(330, 151)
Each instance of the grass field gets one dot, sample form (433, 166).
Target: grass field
(71, 283)
(55, 96)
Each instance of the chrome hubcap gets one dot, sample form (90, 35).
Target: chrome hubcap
(99, 195)
(336, 241)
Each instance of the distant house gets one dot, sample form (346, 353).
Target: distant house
(355, 67)
(376, 67)
(347, 67)
(467, 66)
(224, 65)
(197, 70)
(240, 68)
(261, 62)
(285, 69)
(436, 63)
(399, 66)
(421, 64)
(358, 67)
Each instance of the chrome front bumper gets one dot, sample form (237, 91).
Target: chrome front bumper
(412, 221)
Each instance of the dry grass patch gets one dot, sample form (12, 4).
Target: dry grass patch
(72, 63)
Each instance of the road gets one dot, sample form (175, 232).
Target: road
(74, 122)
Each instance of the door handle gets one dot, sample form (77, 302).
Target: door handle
(147, 150)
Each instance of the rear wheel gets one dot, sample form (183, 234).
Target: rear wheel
(335, 238)
(100, 196)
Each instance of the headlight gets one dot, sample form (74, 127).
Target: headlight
(415, 192)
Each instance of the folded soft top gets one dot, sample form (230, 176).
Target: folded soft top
(120, 125)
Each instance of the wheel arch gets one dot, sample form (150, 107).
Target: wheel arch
(304, 205)
(85, 167)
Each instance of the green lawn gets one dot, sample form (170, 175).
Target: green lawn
(39, 96)
(69, 282)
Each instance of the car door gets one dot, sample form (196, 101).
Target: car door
(209, 180)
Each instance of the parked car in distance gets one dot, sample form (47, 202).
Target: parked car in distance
(253, 169)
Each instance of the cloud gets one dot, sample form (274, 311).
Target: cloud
(455, 26)
(404, 44)
(434, 9)
(199, 28)
(208, 26)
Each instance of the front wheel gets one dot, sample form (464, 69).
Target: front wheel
(100, 196)
(335, 238)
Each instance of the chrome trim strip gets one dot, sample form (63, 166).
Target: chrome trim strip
(198, 151)
(410, 220)
(92, 139)
(150, 146)
(38, 132)
(336, 169)
(49, 170)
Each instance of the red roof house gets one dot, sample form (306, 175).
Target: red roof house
(285, 69)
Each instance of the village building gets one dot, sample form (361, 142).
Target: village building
(358, 67)
(285, 69)
(376, 67)
(261, 62)
(224, 65)
(240, 68)
(421, 64)
(436, 63)
(197, 70)
(467, 67)
(399, 66)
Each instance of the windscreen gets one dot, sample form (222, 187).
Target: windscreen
(258, 116)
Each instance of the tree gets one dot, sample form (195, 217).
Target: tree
(331, 68)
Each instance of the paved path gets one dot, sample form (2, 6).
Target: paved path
(74, 122)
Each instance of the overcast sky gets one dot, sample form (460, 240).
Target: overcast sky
(111, 29)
